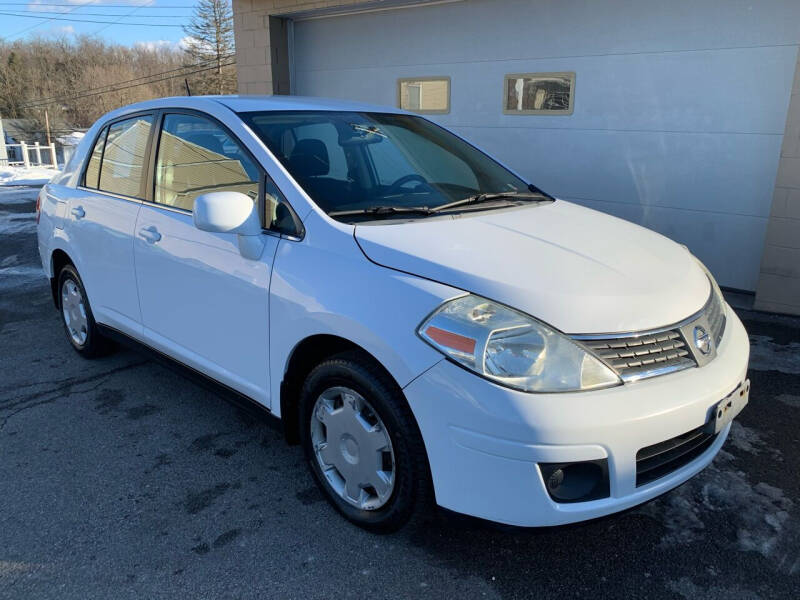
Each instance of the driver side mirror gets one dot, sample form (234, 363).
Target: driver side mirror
(231, 212)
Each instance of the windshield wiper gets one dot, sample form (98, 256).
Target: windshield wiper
(382, 211)
(388, 211)
(489, 197)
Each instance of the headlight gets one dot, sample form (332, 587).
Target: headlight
(512, 348)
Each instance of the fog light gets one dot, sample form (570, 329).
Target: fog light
(576, 482)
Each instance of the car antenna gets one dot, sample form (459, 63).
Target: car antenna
(186, 83)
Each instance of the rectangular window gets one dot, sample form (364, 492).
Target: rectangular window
(539, 94)
(428, 95)
(121, 171)
(197, 156)
(92, 174)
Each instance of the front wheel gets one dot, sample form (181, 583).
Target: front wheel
(362, 443)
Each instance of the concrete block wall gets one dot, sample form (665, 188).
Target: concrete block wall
(261, 51)
(779, 280)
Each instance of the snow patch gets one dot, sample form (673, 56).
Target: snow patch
(759, 514)
(749, 440)
(71, 139)
(8, 261)
(18, 195)
(26, 176)
(766, 355)
(17, 276)
(17, 223)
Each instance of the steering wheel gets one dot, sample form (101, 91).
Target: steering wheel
(395, 187)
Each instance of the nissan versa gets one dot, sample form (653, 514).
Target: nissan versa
(429, 325)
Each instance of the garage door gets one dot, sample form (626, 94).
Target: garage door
(675, 125)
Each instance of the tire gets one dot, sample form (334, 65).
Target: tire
(386, 411)
(77, 318)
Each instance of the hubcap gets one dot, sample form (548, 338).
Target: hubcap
(352, 448)
(74, 311)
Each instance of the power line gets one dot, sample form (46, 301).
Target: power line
(92, 3)
(10, 14)
(35, 25)
(117, 89)
(97, 14)
(101, 88)
(122, 18)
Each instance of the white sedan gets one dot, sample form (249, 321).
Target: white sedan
(429, 325)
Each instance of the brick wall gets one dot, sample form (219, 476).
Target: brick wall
(779, 282)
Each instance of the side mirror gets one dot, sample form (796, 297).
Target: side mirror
(231, 212)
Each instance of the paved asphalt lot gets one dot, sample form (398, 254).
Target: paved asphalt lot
(121, 479)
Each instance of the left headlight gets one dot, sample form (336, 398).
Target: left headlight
(512, 348)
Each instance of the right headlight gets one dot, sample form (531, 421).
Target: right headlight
(512, 348)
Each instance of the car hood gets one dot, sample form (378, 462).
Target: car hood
(577, 269)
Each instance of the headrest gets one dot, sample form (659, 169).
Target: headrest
(309, 158)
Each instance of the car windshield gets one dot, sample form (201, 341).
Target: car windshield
(390, 164)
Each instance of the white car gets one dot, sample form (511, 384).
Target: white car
(426, 323)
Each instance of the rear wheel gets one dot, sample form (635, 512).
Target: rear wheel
(76, 315)
(362, 443)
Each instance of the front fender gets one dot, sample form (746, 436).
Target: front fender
(325, 285)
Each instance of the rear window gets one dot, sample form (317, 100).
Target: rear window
(92, 175)
(122, 147)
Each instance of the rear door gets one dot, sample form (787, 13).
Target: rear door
(101, 217)
(202, 301)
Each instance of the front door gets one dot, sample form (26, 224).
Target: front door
(202, 302)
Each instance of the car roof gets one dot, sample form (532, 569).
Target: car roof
(243, 103)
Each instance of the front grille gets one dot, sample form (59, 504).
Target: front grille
(659, 460)
(643, 356)
(639, 355)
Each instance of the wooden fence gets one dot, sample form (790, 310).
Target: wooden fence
(30, 155)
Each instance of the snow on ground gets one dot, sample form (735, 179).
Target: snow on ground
(26, 176)
(71, 139)
(17, 223)
(12, 194)
(766, 355)
(760, 512)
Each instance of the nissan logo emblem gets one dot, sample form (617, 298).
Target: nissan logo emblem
(702, 341)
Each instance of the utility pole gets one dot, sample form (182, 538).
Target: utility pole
(47, 126)
(3, 151)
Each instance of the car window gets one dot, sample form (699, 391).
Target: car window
(350, 161)
(196, 156)
(279, 217)
(92, 174)
(121, 170)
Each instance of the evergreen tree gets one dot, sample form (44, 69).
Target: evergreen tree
(210, 41)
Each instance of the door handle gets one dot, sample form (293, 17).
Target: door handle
(150, 234)
(78, 212)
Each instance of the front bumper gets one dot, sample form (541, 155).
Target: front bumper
(484, 441)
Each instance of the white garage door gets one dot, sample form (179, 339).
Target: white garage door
(677, 124)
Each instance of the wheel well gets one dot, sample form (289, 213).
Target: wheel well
(305, 356)
(58, 260)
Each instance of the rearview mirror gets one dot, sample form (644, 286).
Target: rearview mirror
(231, 212)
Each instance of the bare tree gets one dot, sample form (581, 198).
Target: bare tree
(76, 80)
(210, 41)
